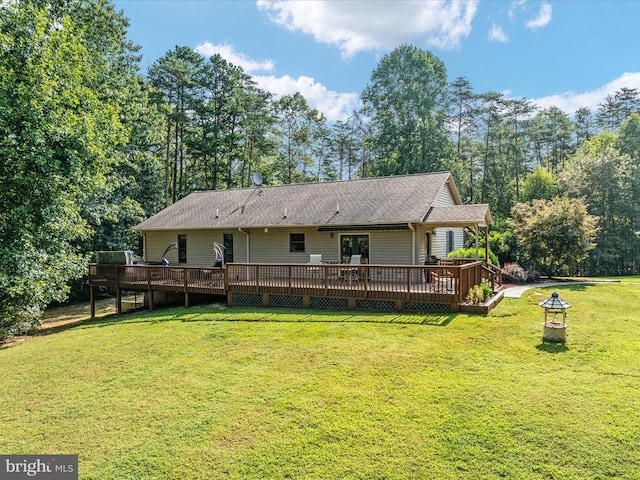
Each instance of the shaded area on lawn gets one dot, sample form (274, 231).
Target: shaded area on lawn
(62, 318)
(217, 313)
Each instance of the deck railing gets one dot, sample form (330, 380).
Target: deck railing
(209, 280)
(446, 283)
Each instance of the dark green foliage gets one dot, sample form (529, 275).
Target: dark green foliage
(504, 244)
(218, 126)
(63, 90)
(556, 235)
(628, 141)
(406, 101)
(611, 183)
(471, 253)
(299, 129)
(616, 108)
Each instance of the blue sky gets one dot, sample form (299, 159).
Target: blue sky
(565, 53)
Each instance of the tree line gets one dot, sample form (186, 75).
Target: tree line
(90, 145)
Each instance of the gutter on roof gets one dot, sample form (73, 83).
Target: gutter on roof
(341, 228)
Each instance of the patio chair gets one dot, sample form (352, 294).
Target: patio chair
(443, 281)
(315, 259)
(352, 273)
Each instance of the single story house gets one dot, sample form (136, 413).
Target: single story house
(395, 220)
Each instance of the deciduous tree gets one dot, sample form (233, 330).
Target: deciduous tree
(63, 86)
(540, 184)
(555, 235)
(611, 182)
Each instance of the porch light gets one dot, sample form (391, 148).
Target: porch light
(555, 316)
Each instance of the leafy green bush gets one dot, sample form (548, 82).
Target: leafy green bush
(479, 293)
(471, 253)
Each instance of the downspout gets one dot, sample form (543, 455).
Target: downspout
(247, 234)
(413, 243)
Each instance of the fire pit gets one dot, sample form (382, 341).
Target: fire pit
(555, 316)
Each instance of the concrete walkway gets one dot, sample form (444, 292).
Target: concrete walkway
(517, 290)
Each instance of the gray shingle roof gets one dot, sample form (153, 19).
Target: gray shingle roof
(380, 200)
(463, 215)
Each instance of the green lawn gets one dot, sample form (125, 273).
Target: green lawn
(206, 393)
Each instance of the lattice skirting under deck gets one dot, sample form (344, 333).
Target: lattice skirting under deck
(329, 303)
(295, 301)
(427, 307)
(247, 299)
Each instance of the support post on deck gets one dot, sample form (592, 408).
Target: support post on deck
(149, 290)
(118, 293)
(186, 288)
(118, 301)
(92, 300)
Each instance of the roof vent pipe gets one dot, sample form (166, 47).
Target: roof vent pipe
(337, 208)
(285, 213)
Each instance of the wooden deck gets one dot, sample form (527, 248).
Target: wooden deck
(376, 287)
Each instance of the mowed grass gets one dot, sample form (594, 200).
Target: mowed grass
(207, 393)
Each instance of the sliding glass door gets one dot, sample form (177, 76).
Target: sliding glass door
(354, 245)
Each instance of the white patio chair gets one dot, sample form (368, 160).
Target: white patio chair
(352, 273)
(315, 259)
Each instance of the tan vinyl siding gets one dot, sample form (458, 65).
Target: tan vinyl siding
(199, 245)
(390, 248)
(156, 242)
(439, 245)
(385, 247)
(439, 241)
(273, 246)
(444, 197)
(421, 247)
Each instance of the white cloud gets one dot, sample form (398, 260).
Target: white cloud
(543, 18)
(356, 26)
(497, 34)
(572, 101)
(230, 55)
(514, 7)
(334, 105)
